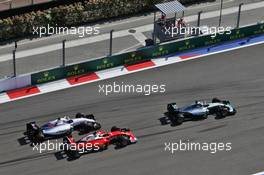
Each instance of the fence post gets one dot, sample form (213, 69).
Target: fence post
(239, 14)
(10, 4)
(199, 18)
(154, 28)
(111, 43)
(220, 17)
(63, 53)
(15, 44)
(14, 63)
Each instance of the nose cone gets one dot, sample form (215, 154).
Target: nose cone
(133, 139)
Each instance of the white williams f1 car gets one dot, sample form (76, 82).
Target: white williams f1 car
(61, 127)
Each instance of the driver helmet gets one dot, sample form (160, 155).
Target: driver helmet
(198, 102)
(66, 117)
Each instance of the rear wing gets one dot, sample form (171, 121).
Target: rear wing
(32, 126)
(172, 108)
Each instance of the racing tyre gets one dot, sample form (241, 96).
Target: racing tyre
(79, 115)
(104, 147)
(216, 100)
(221, 113)
(73, 154)
(39, 137)
(86, 127)
(114, 128)
(225, 112)
(180, 119)
(90, 116)
(122, 142)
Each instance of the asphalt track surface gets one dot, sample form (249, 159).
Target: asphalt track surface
(235, 75)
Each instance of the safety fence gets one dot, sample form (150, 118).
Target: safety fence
(129, 58)
(142, 55)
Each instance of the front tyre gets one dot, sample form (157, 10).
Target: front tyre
(176, 119)
(221, 112)
(104, 147)
(72, 154)
(122, 142)
(114, 128)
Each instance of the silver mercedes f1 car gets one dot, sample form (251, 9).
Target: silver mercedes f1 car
(61, 127)
(199, 110)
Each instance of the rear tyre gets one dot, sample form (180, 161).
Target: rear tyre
(221, 112)
(114, 128)
(79, 115)
(39, 138)
(86, 127)
(90, 116)
(216, 100)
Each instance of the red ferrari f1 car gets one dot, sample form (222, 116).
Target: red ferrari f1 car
(98, 141)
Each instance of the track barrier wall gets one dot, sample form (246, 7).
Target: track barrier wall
(15, 82)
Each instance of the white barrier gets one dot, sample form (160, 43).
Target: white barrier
(15, 82)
